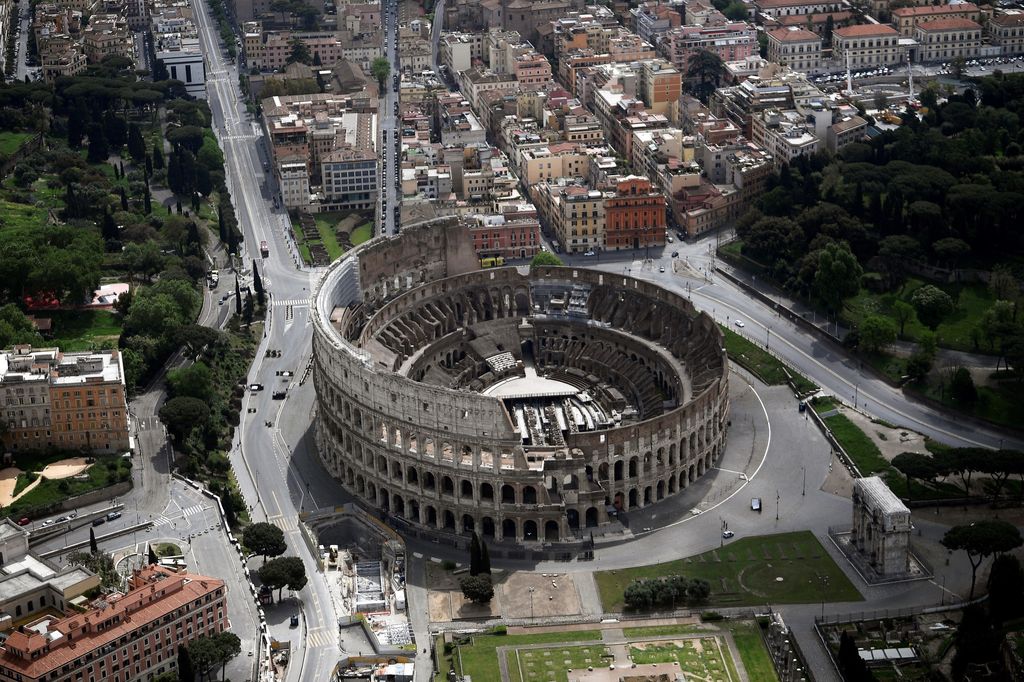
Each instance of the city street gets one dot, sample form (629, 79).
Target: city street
(387, 121)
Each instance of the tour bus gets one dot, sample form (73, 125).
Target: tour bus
(492, 262)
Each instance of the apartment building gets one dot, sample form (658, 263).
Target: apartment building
(906, 19)
(531, 69)
(660, 86)
(1007, 31)
(822, 23)
(269, 50)
(183, 59)
(634, 215)
(797, 48)
(571, 63)
(574, 212)
(782, 8)
(457, 122)
(785, 135)
(510, 235)
(61, 400)
(731, 41)
(944, 39)
(473, 82)
(456, 51)
(59, 55)
(629, 47)
(652, 19)
(107, 35)
(546, 163)
(121, 637)
(867, 45)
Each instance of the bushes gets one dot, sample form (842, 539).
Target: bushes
(670, 591)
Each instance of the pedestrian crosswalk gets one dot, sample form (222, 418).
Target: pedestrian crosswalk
(187, 511)
(293, 301)
(318, 637)
(285, 523)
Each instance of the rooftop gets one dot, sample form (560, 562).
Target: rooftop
(793, 35)
(866, 31)
(929, 10)
(952, 24)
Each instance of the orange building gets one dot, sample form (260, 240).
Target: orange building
(634, 215)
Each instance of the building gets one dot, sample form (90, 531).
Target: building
(121, 637)
(456, 51)
(107, 35)
(531, 69)
(574, 212)
(906, 19)
(183, 60)
(797, 48)
(944, 39)
(845, 131)
(1007, 31)
(73, 401)
(866, 45)
(881, 527)
(634, 215)
(59, 55)
(660, 86)
(350, 178)
(784, 8)
(511, 235)
(652, 19)
(733, 40)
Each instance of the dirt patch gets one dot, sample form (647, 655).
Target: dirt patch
(66, 468)
(839, 480)
(890, 441)
(8, 479)
(540, 595)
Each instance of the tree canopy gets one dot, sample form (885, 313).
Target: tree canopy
(282, 572)
(980, 540)
(264, 539)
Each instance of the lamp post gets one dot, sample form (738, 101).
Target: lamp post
(768, 337)
(803, 492)
(777, 505)
(532, 590)
(856, 393)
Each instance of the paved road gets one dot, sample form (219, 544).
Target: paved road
(390, 144)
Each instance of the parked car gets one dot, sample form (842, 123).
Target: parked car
(739, 323)
(99, 521)
(255, 387)
(113, 515)
(755, 504)
(294, 622)
(589, 253)
(727, 534)
(24, 521)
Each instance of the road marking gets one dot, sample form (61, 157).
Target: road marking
(297, 302)
(730, 471)
(285, 523)
(320, 637)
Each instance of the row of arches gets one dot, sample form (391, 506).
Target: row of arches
(450, 486)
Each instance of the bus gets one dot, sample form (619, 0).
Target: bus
(264, 248)
(492, 262)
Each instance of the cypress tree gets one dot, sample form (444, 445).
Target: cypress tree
(153, 560)
(149, 166)
(485, 558)
(257, 283)
(221, 227)
(136, 145)
(158, 155)
(186, 671)
(93, 547)
(247, 311)
(238, 298)
(108, 228)
(474, 555)
(147, 202)
(124, 198)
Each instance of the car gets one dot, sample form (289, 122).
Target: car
(755, 504)
(739, 323)
(220, 302)
(113, 515)
(278, 395)
(294, 622)
(24, 521)
(727, 534)
(661, 269)
(675, 254)
(48, 522)
(589, 253)
(255, 387)
(668, 239)
(99, 521)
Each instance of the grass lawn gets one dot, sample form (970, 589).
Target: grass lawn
(761, 364)
(9, 142)
(22, 216)
(752, 651)
(864, 453)
(972, 300)
(704, 658)
(543, 665)
(744, 573)
(163, 549)
(79, 330)
(325, 223)
(479, 658)
(22, 482)
(361, 234)
(659, 630)
(108, 470)
(1000, 403)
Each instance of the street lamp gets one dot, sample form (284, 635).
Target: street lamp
(804, 471)
(532, 590)
(856, 393)
(777, 505)
(768, 337)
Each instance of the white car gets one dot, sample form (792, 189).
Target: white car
(727, 534)
(661, 269)
(590, 253)
(739, 323)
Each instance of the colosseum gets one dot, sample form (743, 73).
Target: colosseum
(526, 404)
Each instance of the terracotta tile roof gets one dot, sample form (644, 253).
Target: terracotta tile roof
(954, 24)
(769, 4)
(820, 18)
(866, 31)
(1009, 19)
(156, 592)
(788, 35)
(929, 10)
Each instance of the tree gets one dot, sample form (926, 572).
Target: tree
(16, 327)
(962, 388)
(228, 645)
(299, 53)
(976, 641)
(957, 66)
(837, 277)
(380, 68)
(195, 337)
(932, 304)
(852, 667)
(182, 415)
(158, 155)
(914, 465)
(477, 588)
(93, 547)
(153, 559)
(186, 671)
(257, 283)
(1003, 284)
(284, 571)
(147, 201)
(485, 558)
(876, 332)
(99, 563)
(1005, 588)
(204, 653)
(545, 258)
(194, 381)
(264, 539)
(136, 144)
(981, 540)
(247, 309)
(706, 68)
(474, 555)
(238, 298)
(903, 312)
(951, 251)
(98, 149)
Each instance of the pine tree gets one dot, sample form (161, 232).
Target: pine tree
(238, 298)
(136, 145)
(257, 283)
(98, 149)
(93, 547)
(485, 558)
(474, 555)
(221, 228)
(153, 560)
(232, 241)
(174, 172)
(76, 131)
(247, 310)
(108, 228)
(158, 155)
(117, 173)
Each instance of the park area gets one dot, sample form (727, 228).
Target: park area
(762, 364)
(36, 482)
(723, 651)
(787, 568)
(323, 237)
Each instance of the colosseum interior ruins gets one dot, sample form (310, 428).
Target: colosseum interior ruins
(528, 405)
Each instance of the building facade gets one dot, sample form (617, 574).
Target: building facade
(866, 45)
(797, 48)
(944, 39)
(906, 19)
(634, 215)
(1007, 31)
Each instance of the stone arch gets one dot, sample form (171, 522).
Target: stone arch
(398, 505)
(602, 471)
(634, 463)
(360, 485)
(508, 529)
(431, 518)
(634, 498)
(573, 518)
(529, 529)
(648, 460)
(660, 493)
(414, 510)
(619, 502)
(570, 482)
(707, 461)
(551, 531)
(383, 432)
(700, 466)
(371, 492)
(647, 496)
(618, 470)
(468, 523)
(590, 517)
(428, 447)
(411, 476)
(466, 489)
(508, 494)
(384, 499)
(350, 475)
(486, 491)
(397, 437)
(487, 527)
(671, 484)
(413, 444)
(447, 486)
(691, 477)
(428, 480)
(447, 452)
(382, 464)
(449, 520)
(672, 455)
(659, 457)
(529, 495)
(396, 470)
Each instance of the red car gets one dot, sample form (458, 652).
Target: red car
(24, 521)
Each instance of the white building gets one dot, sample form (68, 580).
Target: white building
(183, 59)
